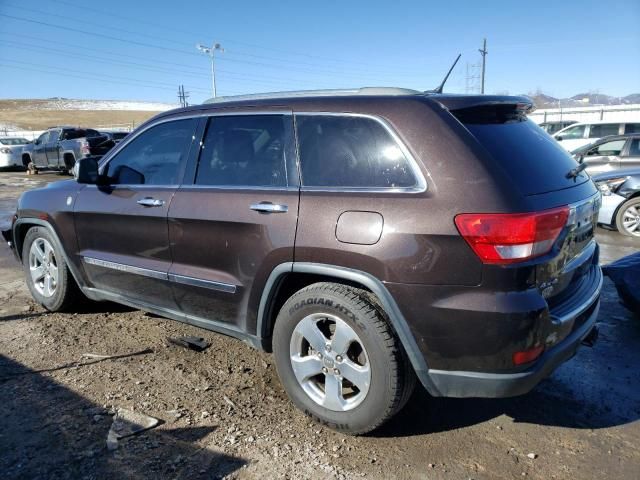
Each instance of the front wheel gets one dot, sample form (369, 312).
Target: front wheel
(628, 218)
(338, 358)
(46, 272)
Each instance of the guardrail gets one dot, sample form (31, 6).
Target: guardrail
(614, 113)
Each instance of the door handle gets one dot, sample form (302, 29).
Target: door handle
(269, 208)
(150, 202)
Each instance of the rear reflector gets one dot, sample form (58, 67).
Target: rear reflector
(504, 238)
(527, 356)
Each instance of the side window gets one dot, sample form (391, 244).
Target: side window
(350, 151)
(632, 128)
(609, 148)
(244, 150)
(634, 148)
(42, 138)
(54, 135)
(573, 133)
(602, 130)
(155, 157)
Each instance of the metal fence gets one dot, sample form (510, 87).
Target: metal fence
(614, 113)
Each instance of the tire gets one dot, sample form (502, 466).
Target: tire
(629, 209)
(362, 343)
(52, 286)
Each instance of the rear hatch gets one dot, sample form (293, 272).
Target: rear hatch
(539, 167)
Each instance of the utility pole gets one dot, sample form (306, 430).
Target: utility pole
(210, 52)
(182, 96)
(483, 52)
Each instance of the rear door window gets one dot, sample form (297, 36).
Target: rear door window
(245, 150)
(350, 152)
(535, 161)
(603, 129)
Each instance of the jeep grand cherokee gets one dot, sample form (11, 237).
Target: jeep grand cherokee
(367, 238)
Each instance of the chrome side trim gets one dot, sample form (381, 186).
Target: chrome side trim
(145, 272)
(421, 183)
(198, 282)
(171, 277)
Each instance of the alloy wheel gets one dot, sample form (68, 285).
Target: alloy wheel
(43, 267)
(330, 362)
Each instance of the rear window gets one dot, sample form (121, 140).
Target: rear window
(533, 159)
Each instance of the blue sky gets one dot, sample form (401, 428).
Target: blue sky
(143, 50)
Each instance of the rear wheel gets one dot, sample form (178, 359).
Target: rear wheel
(338, 358)
(47, 275)
(628, 218)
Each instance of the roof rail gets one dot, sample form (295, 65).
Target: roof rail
(371, 91)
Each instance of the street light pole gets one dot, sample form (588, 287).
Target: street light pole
(210, 52)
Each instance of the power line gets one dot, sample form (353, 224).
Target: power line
(309, 67)
(183, 66)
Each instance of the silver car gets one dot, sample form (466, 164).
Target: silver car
(610, 153)
(11, 151)
(620, 200)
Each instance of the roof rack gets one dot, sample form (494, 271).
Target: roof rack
(365, 91)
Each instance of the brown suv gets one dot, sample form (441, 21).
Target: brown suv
(367, 237)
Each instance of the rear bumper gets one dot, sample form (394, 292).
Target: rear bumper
(492, 385)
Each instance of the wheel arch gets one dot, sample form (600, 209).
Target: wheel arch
(23, 225)
(278, 289)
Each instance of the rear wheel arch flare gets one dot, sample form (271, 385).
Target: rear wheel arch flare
(266, 315)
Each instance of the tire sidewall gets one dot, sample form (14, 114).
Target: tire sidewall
(383, 378)
(621, 210)
(54, 302)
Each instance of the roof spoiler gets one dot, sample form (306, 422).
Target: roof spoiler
(459, 102)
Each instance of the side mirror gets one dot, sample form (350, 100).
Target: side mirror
(36, 141)
(86, 170)
(558, 138)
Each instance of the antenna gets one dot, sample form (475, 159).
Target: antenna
(446, 77)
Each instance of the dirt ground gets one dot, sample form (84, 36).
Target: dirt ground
(25, 114)
(225, 415)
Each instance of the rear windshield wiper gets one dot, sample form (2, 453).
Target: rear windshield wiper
(574, 172)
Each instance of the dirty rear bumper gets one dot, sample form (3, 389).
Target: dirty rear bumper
(448, 383)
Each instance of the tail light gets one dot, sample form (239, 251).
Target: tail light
(85, 148)
(527, 356)
(504, 238)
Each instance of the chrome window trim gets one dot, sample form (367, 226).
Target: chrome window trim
(243, 188)
(136, 133)
(421, 184)
(171, 277)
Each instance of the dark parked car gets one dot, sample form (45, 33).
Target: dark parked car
(367, 237)
(620, 200)
(60, 147)
(554, 126)
(116, 136)
(610, 153)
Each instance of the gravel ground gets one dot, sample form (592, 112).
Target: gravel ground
(224, 414)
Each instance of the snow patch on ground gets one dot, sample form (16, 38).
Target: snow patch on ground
(74, 104)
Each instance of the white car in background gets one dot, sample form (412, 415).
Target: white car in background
(11, 151)
(581, 134)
